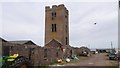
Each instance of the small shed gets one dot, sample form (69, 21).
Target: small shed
(55, 48)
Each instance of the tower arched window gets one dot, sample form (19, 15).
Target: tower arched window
(54, 29)
(53, 15)
(66, 41)
(45, 53)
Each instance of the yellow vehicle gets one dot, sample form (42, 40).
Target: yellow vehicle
(15, 61)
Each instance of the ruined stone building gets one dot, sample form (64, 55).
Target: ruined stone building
(12, 47)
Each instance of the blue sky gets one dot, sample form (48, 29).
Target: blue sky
(23, 20)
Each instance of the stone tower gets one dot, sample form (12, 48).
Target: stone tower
(57, 24)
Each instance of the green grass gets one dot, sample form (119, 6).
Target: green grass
(64, 61)
(72, 61)
(80, 58)
(43, 66)
(0, 61)
(55, 62)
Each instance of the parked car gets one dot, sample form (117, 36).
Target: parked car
(93, 52)
(112, 55)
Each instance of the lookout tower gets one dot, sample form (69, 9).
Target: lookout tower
(57, 24)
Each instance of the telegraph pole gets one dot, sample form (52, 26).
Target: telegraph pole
(111, 45)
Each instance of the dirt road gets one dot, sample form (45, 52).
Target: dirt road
(94, 60)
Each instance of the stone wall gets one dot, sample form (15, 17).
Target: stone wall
(48, 54)
(79, 51)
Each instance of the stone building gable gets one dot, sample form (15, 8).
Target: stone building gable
(53, 50)
(53, 44)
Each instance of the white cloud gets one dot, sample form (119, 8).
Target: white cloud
(0, 19)
(84, 31)
(59, 0)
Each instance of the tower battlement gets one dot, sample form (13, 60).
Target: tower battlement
(47, 8)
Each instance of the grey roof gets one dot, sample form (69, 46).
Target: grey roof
(23, 42)
(1, 39)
